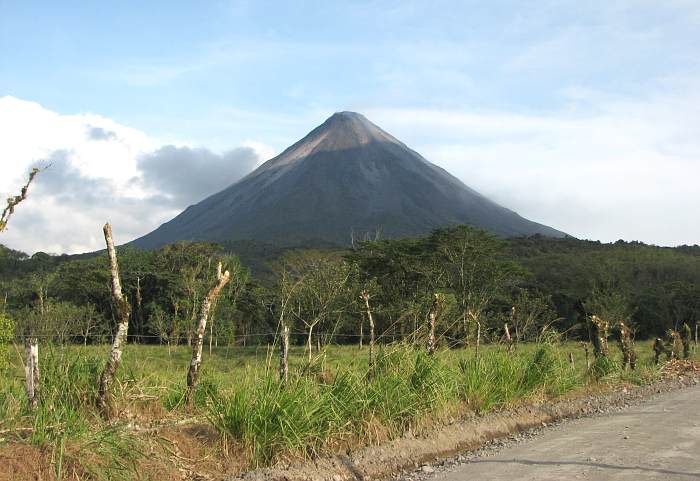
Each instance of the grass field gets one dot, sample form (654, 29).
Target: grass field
(328, 403)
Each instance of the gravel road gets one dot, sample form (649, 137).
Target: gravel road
(657, 439)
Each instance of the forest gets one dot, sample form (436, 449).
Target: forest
(483, 283)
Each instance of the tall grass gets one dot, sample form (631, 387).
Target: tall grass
(65, 422)
(270, 420)
(330, 403)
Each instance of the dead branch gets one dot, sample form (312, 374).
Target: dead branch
(13, 201)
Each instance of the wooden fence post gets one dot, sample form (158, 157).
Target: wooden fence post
(31, 371)
(284, 354)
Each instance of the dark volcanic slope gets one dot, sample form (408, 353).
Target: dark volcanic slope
(346, 176)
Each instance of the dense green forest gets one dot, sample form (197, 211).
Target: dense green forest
(531, 283)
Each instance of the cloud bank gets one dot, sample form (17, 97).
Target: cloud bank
(97, 171)
(602, 168)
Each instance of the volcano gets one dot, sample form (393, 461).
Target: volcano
(345, 180)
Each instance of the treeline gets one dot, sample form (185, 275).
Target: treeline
(482, 283)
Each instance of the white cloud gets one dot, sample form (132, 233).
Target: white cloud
(603, 169)
(100, 170)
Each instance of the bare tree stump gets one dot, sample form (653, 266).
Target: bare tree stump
(104, 397)
(31, 371)
(195, 364)
(284, 354)
(571, 361)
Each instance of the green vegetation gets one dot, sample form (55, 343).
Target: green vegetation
(67, 298)
(333, 398)
(328, 403)
(66, 423)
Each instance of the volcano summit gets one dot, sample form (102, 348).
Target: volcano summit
(347, 177)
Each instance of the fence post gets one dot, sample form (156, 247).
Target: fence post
(31, 371)
(284, 354)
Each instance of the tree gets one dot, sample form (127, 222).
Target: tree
(474, 265)
(160, 322)
(530, 313)
(88, 322)
(323, 291)
(287, 285)
(610, 304)
(401, 273)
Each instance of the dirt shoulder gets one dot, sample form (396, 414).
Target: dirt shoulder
(411, 452)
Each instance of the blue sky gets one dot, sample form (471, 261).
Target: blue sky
(481, 88)
(190, 69)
